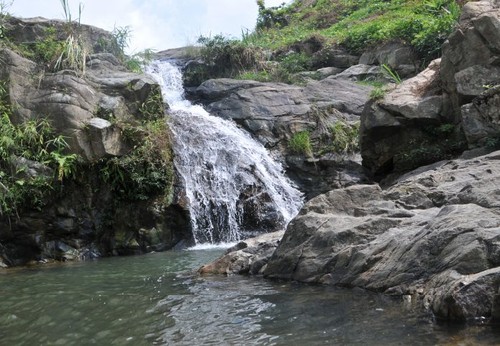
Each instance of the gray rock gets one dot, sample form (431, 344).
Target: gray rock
(421, 237)
(399, 57)
(362, 72)
(274, 112)
(247, 257)
(401, 131)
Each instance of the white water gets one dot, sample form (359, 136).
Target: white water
(232, 184)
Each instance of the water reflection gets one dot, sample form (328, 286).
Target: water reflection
(155, 300)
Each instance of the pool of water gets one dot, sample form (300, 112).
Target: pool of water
(157, 300)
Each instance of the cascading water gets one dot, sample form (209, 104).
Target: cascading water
(232, 184)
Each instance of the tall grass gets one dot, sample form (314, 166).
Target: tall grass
(74, 51)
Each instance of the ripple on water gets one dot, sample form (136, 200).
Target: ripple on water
(122, 301)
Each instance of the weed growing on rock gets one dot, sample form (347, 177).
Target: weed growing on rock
(147, 170)
(300, 143)
(74, 51)
(32, 161)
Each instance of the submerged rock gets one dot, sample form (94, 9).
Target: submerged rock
(247, 257)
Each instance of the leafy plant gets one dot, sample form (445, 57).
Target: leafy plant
(345, 137)
(226, 57)
(4, 7)
(32, 161)
(153, 107)
(377, 93)
(147, 170)
(391, 74)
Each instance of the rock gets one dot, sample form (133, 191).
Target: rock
(247, 257)
(328, 71)
(105, 139)
(273, 113)
(88, 216)
(399, 57)
(70, 102)
(402, 130)
(405, 128)
(480, 119)
(362, 73)
(470, 66)
(420, 237)
(333, 56)
(315, 176)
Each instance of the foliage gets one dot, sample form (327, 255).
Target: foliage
(30, 144)
(288, 30)
(46, 50)
(377, 93)
(391, 74)
(118, 43)
(273, 17)
(300, 143)
(360, 24)
(153, 107)
(4, 7)
(147, 170)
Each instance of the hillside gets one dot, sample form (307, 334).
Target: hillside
(308, 35)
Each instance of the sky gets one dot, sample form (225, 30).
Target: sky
(154, 24)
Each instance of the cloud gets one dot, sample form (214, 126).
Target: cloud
(158, 24)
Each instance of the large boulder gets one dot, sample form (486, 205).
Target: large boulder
(432, 237)
(247, 257)
(449, 107)
(408, 126)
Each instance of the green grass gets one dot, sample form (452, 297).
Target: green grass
(300, 143)
(357, 25)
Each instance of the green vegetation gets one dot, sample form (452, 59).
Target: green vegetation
(357, 25)
(392, 75)
(153, 107)
(73, 54)
(302, 35)
(147, 170)
(118, 43)
(33, 161)
(4, 7)
(300, 143)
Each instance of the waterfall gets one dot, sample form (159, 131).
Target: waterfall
(233, 186)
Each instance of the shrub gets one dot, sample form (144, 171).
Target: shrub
(74, 51)
(148, 169)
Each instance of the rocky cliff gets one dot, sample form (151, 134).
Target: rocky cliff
(118, 197)
(431, 235)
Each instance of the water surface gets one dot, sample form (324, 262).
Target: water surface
(156, 300)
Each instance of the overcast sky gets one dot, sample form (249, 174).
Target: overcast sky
(156, 24)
